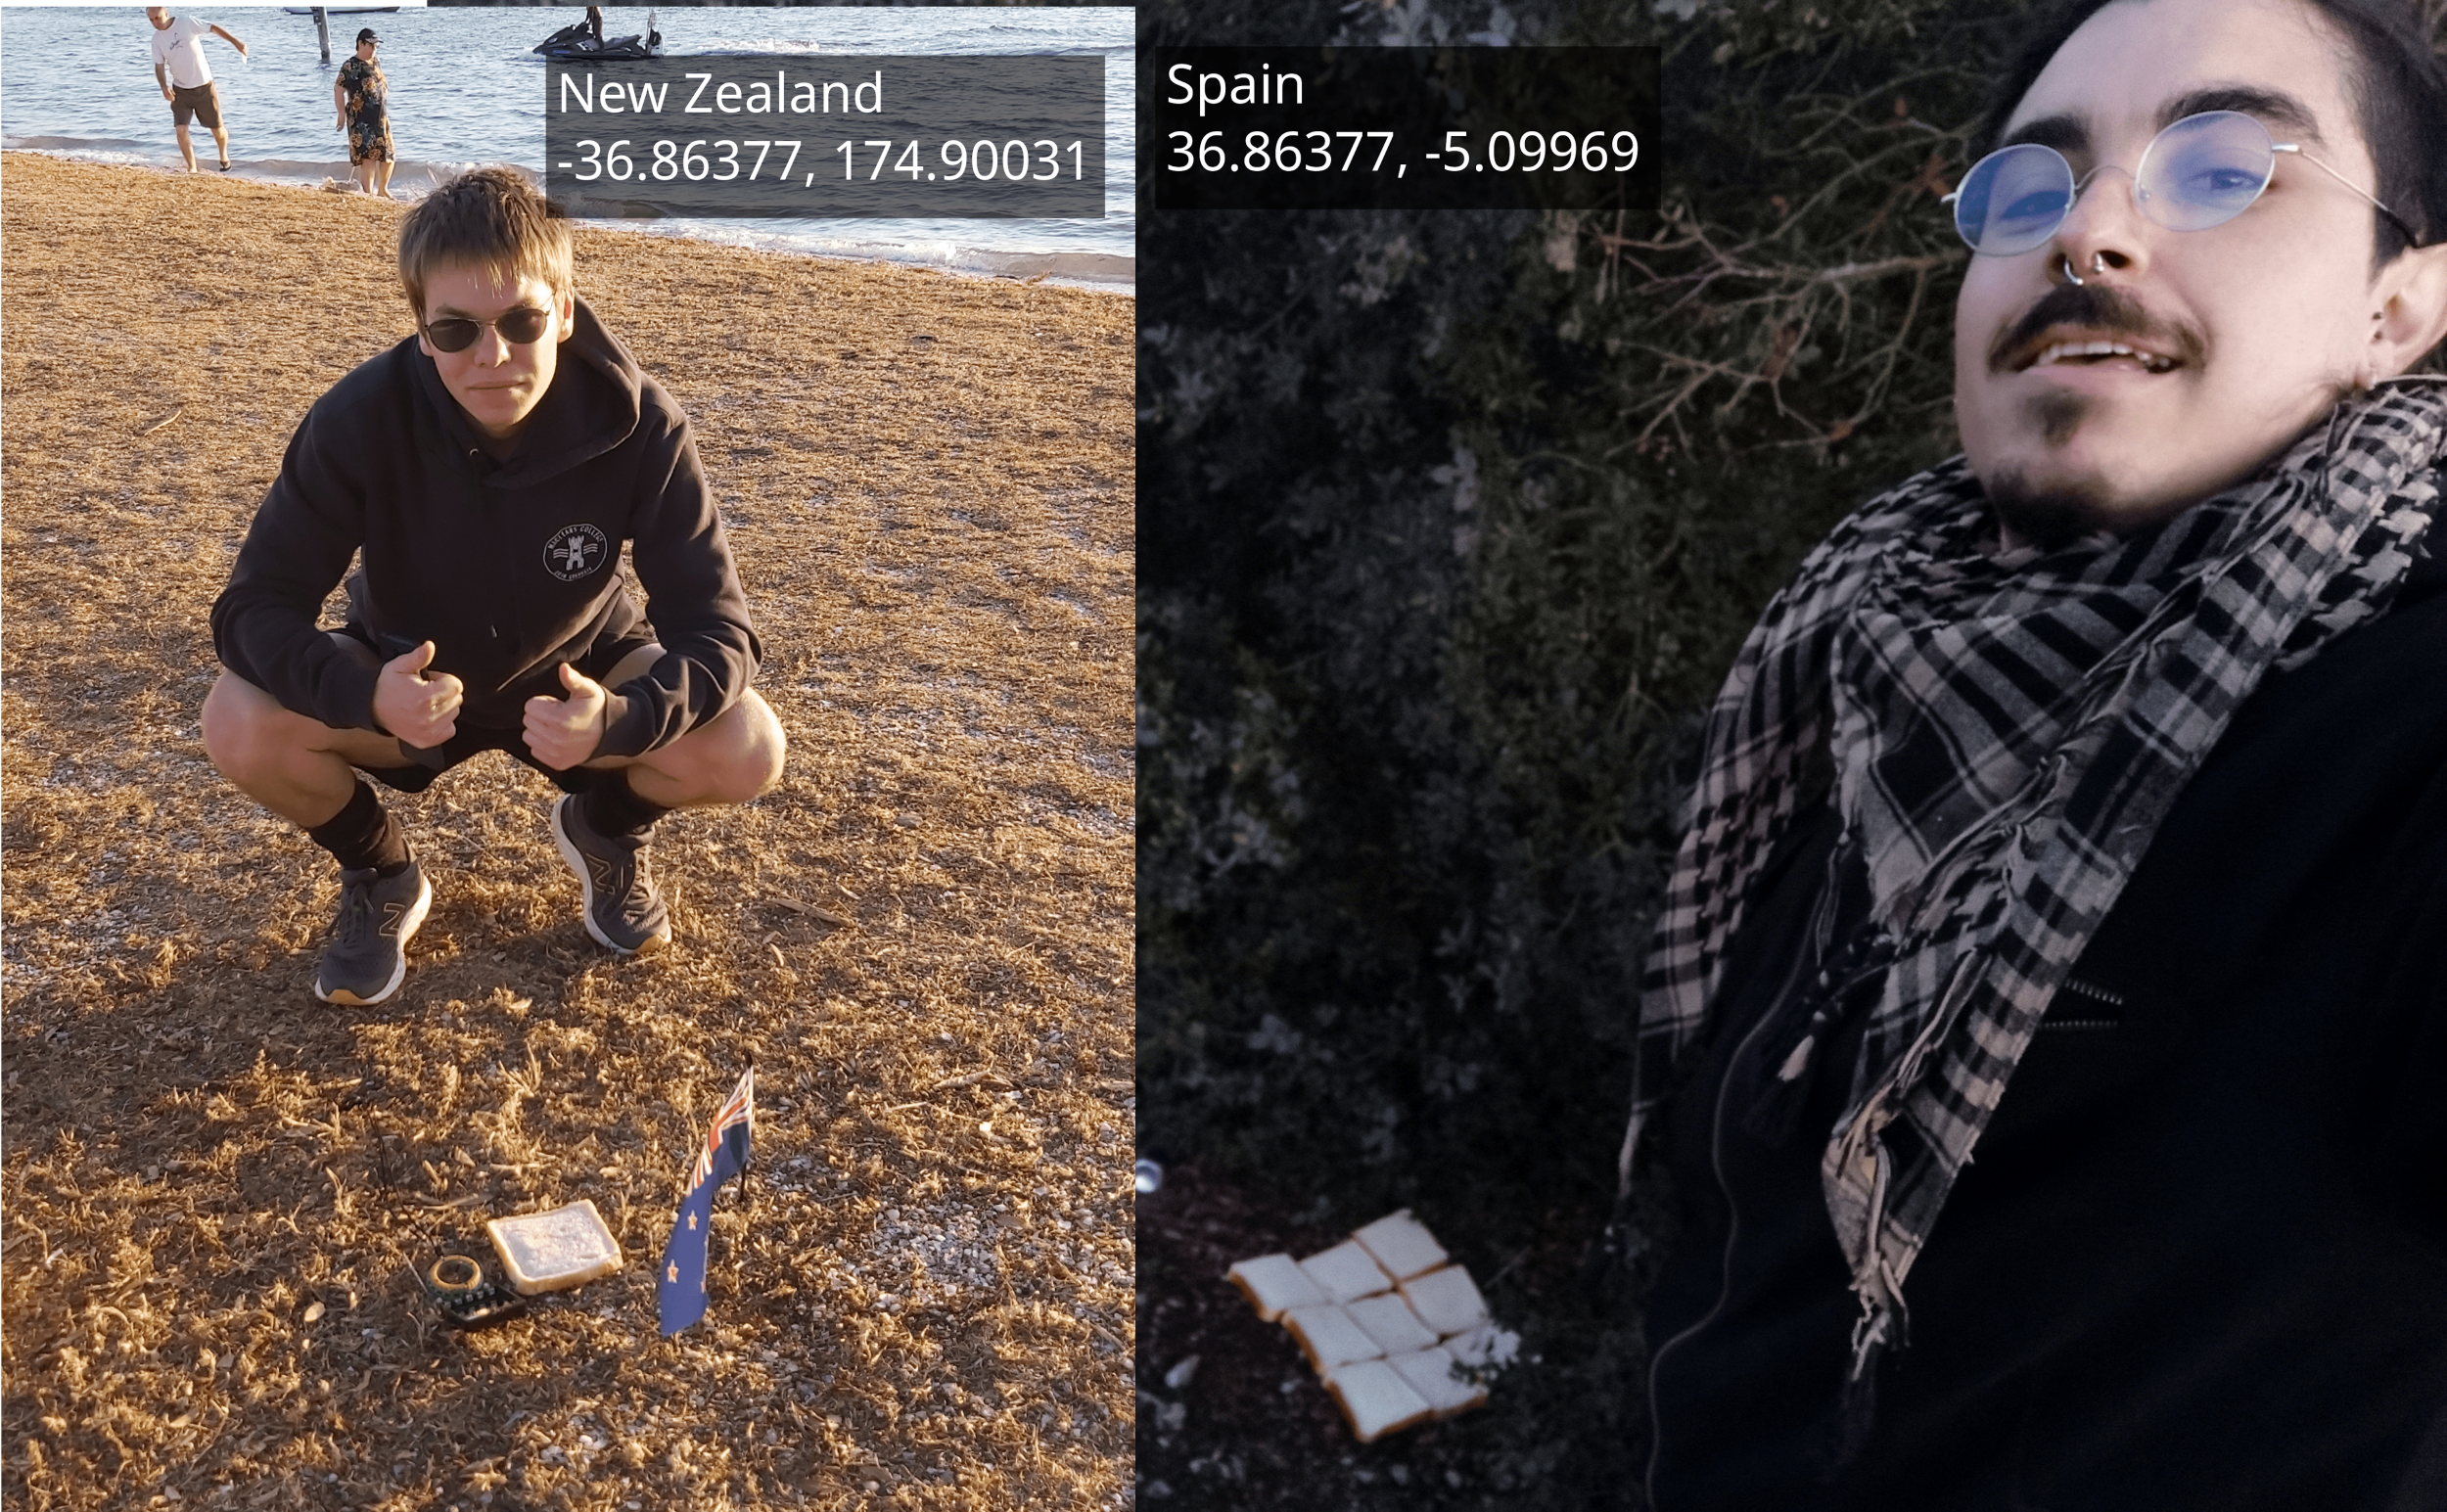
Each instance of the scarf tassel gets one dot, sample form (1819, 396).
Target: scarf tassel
(1776, 1111)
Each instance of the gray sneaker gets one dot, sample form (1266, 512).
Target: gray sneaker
(368, 955)
(624, 911)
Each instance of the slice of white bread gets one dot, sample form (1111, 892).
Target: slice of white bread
(1446, 1300)
(1329, 1338)
(1345, 1273)
(1274, 1284)
(1401, 1244)
(1485, 1347)
(1389, 1320)
(1430, 1373)
(1376, 1400)
(553, 1251)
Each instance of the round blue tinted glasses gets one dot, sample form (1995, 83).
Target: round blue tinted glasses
(2200, 171)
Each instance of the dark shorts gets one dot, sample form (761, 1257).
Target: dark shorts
(470, 740)
(201, 102)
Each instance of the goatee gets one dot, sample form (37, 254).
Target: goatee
(2049, 517)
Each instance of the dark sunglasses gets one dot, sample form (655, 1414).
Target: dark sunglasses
(518, 327)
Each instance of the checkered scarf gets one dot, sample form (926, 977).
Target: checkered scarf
(2001, 736)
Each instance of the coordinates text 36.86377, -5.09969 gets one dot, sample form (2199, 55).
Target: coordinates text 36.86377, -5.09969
(1402, 129)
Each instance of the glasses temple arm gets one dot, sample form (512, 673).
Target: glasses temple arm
(2296, 149)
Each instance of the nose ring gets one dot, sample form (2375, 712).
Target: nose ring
(2098, 265)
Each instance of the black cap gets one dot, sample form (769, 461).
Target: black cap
(366, 34)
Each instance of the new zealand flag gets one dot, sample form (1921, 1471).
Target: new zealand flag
(679, 1287)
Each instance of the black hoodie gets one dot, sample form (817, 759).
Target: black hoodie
(509, 568)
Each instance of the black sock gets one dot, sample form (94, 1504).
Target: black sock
(612, 808)
(363, 834)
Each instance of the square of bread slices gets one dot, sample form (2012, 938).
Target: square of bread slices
(1389, 1320)
(1329, 1338)
(1345, 1273)
(1375, 1398)
(1400, 1244)
(1274, 1284)
(1446, 1300)
(1431, 1373)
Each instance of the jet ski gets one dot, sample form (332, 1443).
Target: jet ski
(576, 44)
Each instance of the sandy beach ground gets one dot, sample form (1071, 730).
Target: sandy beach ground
(216, 1191)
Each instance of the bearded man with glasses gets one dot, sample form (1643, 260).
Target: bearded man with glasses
(488, 469)
(2082, 806)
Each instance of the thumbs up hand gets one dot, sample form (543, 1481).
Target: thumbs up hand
(564, 732)
(420, 710)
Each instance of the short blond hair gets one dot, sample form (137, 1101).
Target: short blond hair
(487, 219)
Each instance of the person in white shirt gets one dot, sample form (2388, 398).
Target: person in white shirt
(186, 79)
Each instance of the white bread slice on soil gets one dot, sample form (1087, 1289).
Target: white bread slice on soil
(1345, 1273)
(1430, 1373)
(1389, 1320)
(1446, 1300)
(1375, 1400)
(1274, 1284)
(1329, 1338)
(552, 1252)
(1401, 1244)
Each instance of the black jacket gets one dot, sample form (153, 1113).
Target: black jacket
(509, 568)
(2200, 1262)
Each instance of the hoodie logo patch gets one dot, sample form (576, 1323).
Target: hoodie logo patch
(577, 550)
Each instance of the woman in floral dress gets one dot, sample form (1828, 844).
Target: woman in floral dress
(357, 96)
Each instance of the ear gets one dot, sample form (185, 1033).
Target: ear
(2411, 313)
(565, 309)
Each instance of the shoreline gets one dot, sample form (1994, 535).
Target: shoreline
(1064, 270)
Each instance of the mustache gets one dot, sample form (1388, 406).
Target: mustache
(2098, 307)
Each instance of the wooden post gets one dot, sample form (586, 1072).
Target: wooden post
(323, 32)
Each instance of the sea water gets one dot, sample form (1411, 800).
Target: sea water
(466, 89)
